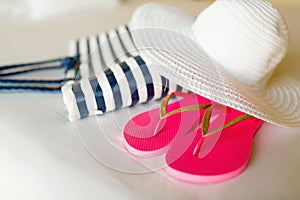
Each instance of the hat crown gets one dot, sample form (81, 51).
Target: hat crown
(248, 37)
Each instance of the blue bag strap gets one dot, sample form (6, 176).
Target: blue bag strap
(67, 63)
(40, 85)
(33, 88)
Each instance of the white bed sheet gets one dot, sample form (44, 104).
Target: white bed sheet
(41, 156)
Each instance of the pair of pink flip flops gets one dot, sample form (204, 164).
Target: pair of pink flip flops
(204, 142)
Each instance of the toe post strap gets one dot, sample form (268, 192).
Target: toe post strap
(205, 122)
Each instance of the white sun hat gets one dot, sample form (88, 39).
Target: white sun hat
(227, 54)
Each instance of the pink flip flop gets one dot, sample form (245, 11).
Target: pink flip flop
(139, 132)
(216, 152)
(227, 158)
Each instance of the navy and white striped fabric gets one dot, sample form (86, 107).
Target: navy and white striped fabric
(112, 75)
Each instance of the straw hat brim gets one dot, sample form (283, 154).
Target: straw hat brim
(165, 39)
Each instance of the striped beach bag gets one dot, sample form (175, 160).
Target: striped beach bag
(102, 72)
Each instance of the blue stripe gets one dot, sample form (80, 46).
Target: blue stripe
(91, 68)
(123, 45)
(80, 100)
(132, 83)
(77, 73)
(147, 77)
(113, 53)
(115, 88)
(103, 65)
(130, 35)
(98, 94)
(130, 78)
(179, 88)
(165, 87)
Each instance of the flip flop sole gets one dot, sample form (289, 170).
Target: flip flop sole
(227, 159)
(139, 131)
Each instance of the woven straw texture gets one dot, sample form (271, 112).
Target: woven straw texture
(228, 54)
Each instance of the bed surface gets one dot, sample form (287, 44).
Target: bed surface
(42, 156)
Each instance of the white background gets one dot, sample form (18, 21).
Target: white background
(41, 156)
